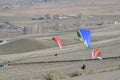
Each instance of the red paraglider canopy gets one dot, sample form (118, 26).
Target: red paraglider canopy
(58, 41)
(96, 54)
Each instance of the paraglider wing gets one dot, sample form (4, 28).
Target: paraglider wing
(58, 41)
(85, 36)
(96, 54)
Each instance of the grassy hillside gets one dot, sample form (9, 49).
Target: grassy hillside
(25, 45)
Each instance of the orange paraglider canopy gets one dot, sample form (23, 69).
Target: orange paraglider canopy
(96, 54)
(58, 41)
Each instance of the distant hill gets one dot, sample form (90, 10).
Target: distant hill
(23, 2)
(46, 16)
(8, 29)
(8, 4)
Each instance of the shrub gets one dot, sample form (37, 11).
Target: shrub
(76, 73)
(53, 75)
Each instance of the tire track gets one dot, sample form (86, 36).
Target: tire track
(61, 61)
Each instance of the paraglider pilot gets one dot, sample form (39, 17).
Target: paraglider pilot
(83, 67)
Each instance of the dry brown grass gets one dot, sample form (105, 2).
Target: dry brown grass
(89, 72)
(76, 73)
(53, 75)
(80, 73)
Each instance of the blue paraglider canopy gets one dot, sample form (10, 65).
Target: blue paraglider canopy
(85, 36)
